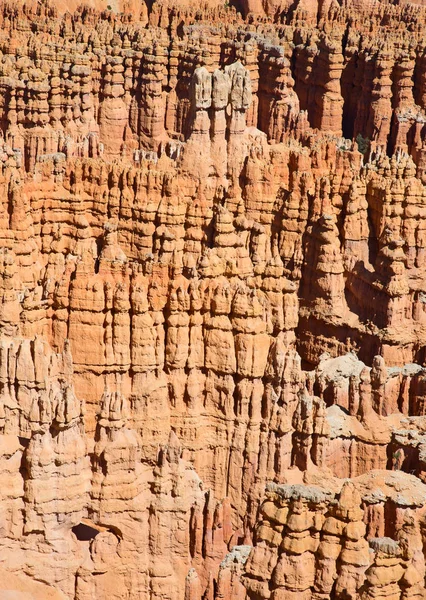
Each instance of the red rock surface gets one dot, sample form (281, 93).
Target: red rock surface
(212, 301)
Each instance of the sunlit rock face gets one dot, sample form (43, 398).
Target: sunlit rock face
(212, 300)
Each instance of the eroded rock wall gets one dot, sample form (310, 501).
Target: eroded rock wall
(212, 340)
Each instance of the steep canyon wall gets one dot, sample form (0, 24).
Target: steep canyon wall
(212, 301)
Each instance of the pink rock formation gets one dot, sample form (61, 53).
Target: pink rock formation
(212, 301)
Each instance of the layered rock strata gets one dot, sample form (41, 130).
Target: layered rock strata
(212, 322)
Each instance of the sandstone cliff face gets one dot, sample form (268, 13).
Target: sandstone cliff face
(212, 310)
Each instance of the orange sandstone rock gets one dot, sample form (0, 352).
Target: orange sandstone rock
(212, 305)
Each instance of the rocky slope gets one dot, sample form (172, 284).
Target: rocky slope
(212, 301)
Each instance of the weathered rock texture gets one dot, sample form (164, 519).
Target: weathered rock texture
(212, 301)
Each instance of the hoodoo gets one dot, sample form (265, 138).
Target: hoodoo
(212, 300)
